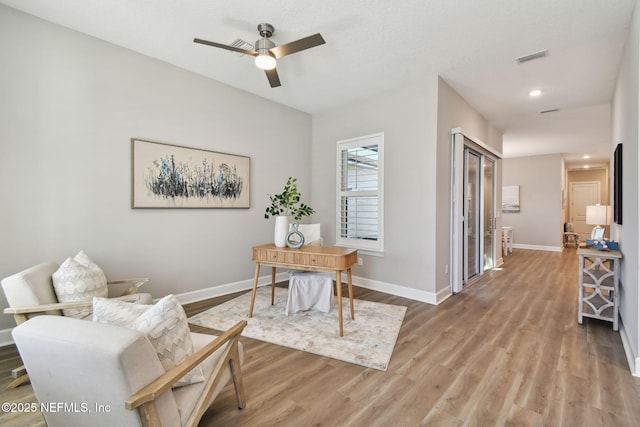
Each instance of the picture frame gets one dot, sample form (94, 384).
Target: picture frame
(172, 176)
(598, 233)
(617, 184)
(511, 199)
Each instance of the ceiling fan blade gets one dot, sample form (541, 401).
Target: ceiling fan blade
(272, 75)
(227, 47)
(297, 46)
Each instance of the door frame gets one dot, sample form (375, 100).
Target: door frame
(458, 141)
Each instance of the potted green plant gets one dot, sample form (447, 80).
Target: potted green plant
(284, 205)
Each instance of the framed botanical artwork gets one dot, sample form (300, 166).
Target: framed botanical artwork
(171, 176)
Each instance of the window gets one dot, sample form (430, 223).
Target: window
(360, 193)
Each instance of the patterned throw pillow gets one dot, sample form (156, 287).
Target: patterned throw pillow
(79, 279)
(117, 312)
(166, 327)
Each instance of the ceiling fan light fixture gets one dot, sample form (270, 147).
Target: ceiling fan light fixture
(265, 60)
(266, 52)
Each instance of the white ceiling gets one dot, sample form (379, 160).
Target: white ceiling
(375, 45)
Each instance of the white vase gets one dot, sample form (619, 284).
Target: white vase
(281, 230)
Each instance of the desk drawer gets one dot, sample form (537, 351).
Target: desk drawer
(266, 255)
(294, 258)
(313, 260)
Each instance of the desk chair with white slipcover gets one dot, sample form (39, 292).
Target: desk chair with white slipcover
(310, 290)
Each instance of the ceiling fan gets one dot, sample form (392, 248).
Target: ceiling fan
(266, 52)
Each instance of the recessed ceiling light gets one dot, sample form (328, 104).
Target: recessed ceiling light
(535, 92)
(586, 166)
(586, 156)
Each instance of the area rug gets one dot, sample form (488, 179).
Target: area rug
(368, 340)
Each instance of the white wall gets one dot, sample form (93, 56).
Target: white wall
(407, 118)
(625, 122)
(69, 105)
(539, 222)
(417, 120)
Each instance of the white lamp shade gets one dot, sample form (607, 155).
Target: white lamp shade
(598, 215)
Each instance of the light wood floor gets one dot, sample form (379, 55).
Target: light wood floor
(506, 351)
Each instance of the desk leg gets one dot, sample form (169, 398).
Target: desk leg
(255, 287)
(339, 291)
(350, 286)
(273, 283)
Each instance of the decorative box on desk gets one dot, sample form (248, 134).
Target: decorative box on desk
(598, 290)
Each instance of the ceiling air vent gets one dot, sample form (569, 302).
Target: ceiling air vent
(553, 110)
(533, 56)
(241, 44)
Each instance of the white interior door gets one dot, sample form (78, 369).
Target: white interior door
(583, 194)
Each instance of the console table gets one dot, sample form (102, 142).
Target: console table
(310, 258)
(598, 290)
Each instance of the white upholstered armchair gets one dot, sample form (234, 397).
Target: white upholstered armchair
(31, 293)
(97, 374)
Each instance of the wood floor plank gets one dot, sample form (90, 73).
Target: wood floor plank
(507, 351)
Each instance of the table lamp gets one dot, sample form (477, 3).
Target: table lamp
(597, 215)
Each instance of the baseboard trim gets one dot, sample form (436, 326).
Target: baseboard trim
(387, 288)
(402, 291)
(632, 359)
(5, 337)
(538, 247)
(229, 288)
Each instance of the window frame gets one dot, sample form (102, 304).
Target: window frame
(375, 246)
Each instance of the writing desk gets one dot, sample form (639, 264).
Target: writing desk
(310, 258)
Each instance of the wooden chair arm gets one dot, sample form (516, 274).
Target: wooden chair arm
(57, 306)
(131, 290)
(164, 382)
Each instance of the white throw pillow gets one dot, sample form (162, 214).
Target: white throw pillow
(79, 279)
(117, 312)
(164, 324)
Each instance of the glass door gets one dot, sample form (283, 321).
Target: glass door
(472, 201)
(488, 168)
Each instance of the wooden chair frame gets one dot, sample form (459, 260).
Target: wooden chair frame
(144, 400)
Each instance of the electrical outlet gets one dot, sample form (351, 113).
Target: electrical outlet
(446, 269)
(360, 261)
